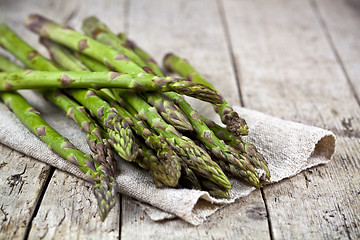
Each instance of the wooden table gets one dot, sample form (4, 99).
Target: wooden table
(297, 60)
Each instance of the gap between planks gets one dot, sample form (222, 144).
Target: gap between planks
(38, 202)
(334, 50)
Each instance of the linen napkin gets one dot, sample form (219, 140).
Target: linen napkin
(289, 148)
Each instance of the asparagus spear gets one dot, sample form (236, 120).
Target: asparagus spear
(170, 112)
(68, 79)
(7, 65)
(63, 56)
(93, 27)
(195, 157)
(103, 183)
(92, 64)
(99, 146)
(247, 149)
(149, 161)
(170, 173)
(228, 116)
(107, 38)
(214, 190)
(33, 60)
(167, 109)
(222, 151)
(81, 43)
(150, 61)
(188, 178)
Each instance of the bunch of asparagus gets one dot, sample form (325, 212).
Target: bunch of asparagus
(119, 96)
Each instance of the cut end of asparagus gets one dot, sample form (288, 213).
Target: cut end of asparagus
(166, 61)
(34, 22)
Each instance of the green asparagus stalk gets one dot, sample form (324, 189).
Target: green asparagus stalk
(121, 137)
(169, 173)
(195, 157)
(229, 117)
(146, 57)
(68, 79)
(247, 149)
(63, 56)
(104, 185)
(214, 190)
(97, 30)
(167, 109)
(149, 161)
(188, 178)
(33, 60)
(170, 112)
(91, 63)
(9, 66)
(99, 146)
(108, 39)
(80, 43)
(220, 150)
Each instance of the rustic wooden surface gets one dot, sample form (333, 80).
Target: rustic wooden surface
(298, 60)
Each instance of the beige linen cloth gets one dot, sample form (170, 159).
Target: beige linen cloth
(289, 147)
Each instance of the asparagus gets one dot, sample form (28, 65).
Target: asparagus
(7, 65)
(229, 117)
(169, 172)
(167, 109)
(97, 30)
(214, 190)
(103, 184)
(195, 157)
(33, 60)
(63, 56)
(146, 57)
(188, 178)
(247, 149)
(81, 43)
(149, 161)
(170, 112)
(220, 150)
(99, 146)
(69, 79)
(91, 63)
(107, 38)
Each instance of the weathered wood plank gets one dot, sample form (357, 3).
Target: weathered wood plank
(69, 211)
(342, 22)
(22, 179)
(245, 219)
(192, 29)
(288, 69)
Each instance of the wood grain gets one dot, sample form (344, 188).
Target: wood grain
(69, 211)
(288, 69)
(22, 180)
(341, 22)
(245, 219)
